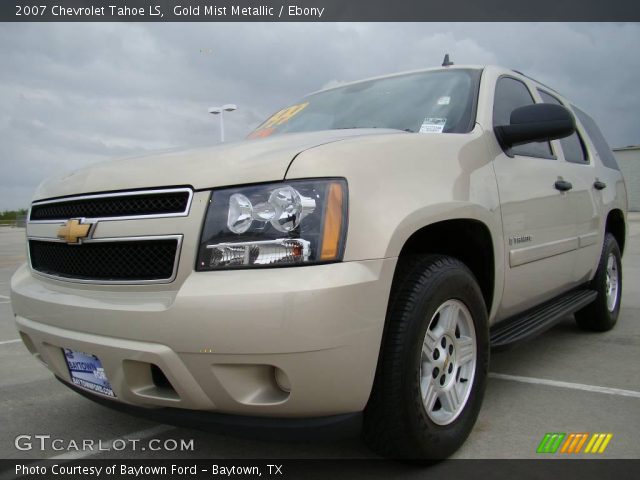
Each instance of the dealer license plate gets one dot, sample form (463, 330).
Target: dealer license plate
(87, 372)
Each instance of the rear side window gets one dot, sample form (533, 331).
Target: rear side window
(572, 146)
(511, 94)
(602, 147)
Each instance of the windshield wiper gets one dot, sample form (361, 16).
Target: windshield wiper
(386, 128)
(352, 128)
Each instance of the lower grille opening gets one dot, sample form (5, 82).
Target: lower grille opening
(144, 260)
(160, 380)
(28, 343)
(149, 381)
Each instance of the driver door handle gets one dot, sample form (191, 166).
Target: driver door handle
(598, 185)
(563, 185)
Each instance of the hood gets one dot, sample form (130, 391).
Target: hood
(248, 161)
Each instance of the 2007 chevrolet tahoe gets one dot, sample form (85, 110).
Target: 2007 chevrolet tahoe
(358, 254)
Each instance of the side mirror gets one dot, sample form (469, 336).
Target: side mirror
(539, 122)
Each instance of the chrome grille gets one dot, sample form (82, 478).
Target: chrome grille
(120, 261)
(150, 203)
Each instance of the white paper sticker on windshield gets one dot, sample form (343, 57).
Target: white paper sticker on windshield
(444, 100)
(433, 125)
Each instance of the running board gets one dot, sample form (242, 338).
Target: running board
(539, 319)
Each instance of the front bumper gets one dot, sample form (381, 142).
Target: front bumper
(220, 339)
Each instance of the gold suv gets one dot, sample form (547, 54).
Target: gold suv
(355, 257)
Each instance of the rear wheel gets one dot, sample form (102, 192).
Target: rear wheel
(433, 363)
(602, 314)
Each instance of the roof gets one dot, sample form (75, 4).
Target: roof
(399, 74)
(628, 147)
(433, 69)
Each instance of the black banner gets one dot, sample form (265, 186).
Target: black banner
(320, 469)
(317, 10)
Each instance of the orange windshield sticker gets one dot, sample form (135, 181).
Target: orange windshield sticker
(261, 133)
(283, 115)
(278, 118)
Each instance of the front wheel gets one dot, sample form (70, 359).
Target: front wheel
(433, 362)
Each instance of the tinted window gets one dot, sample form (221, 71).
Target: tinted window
(604, 151)
(572, 146)
(440, 101)
(511, 94)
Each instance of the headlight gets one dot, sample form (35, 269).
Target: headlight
(279, 224)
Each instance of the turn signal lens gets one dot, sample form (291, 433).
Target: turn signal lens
(332, 232)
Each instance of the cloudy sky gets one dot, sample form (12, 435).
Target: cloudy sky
(73, 94)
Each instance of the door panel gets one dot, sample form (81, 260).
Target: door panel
(586, 209)
(539, 228)
(585, 200)
(539, 231)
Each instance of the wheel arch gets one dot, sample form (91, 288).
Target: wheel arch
(467, 239)
(616, 226)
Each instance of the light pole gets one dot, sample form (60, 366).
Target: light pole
(229, 107)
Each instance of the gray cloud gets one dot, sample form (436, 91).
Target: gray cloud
(72, 94)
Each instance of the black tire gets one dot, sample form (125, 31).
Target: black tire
(396, 423)
(596, 316)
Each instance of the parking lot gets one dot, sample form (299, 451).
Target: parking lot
(564, 381)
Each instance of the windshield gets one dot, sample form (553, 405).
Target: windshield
(440, 101)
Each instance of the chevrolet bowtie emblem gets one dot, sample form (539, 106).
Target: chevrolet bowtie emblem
(73, 231)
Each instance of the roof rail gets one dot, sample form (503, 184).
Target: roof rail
(537, 81)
